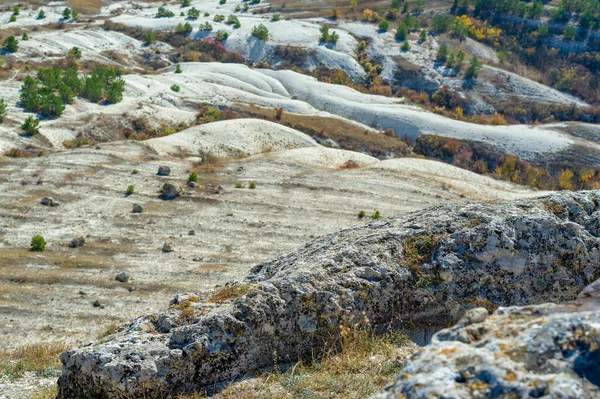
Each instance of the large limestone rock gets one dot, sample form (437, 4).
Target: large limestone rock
(420, 272)
(549, 351)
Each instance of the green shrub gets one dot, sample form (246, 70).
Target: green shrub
(206, 14)
(405, 46)
(164, 13)
(384, 25)
(38, 244)
(239, 185)
(41, 14)
(175, 88)
(402, 31)
(569, 33)
(442, 54)
(3, 110)
(193, 178)
(74, 14)
(252, 185)
(25, 36)
(474, 67)
(193, 13)
(222, 36)
(13, 18)
(186, 3)
(238, 8)
(423, 35)
(205, 27)
(31, 126)
(361, 214)
(16, 10)
(149, 38)
(129, 190)
(376, 215)
(260, 32)
(219, 18)
(233, 20)
(66, 13)
(327, 37)
(135, 172)
(275, 17)
(184, 29)
(10, 45)
(222, 2)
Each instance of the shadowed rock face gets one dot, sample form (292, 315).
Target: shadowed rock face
(419, 272)
(549, 350)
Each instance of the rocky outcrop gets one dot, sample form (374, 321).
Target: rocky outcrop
(419, 272)
(550, 351)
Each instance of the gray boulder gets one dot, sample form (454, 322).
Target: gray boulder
(77, 242)
(49, 201)
(164, 171)
(169, 192)
(549, 350)
(137, 208)
(122, 277)
(419, 272)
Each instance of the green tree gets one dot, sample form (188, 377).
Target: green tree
(16, 10)
(38, 244)
(10, 45)
(31, 126)
(221, 36)
(402, 31)
(178, 68)
(405, 46)
(74, 14)
(3, 110)
(186, 3)
(66, 13)
(384, 25)
(260, 32)
(569, 33)
(25, 36)
(41, 14)
(149, 38)
(423, 35)
(442, 54)
(193, 13)
(474, 67)
(543, 30)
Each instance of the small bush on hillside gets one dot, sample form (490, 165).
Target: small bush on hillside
(327, 37)
(275, 17)
(129, 190)
(186, 3)
(31, 126)
(239, 185)
(164, 13)
(149, 38)
(178, 69)
(3, 110)
(175, 88)
(402, 31)
(193, 178)
(41, 14)
(38, 244)
(66, 13)
(361, 214)
(25, 37)
(405, 46)
(219, 18)
(252, 185)
(16, 10)
(74, 14)
(384, 25)
(13, 18)
(474, 67)
(222, 2)
(222, 36)
(10, 45)
(205, 27)
(193, 13)
(261, 32)
(184, 29)
(233, 20)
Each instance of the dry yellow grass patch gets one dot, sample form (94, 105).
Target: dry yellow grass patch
(92, 6)
(365, 366)
(34, 357)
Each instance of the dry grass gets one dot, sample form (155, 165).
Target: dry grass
(229, 292)
(350, 136)
(46, 393)
(35, 357)
(365, 366)
(88, 6)
(419, 249)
